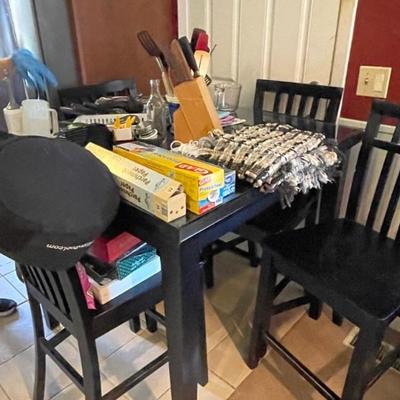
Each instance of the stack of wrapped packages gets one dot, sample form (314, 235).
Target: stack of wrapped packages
(115, 264)
(270, 156)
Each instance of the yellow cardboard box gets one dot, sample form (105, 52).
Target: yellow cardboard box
(143, 187)
(203, 182)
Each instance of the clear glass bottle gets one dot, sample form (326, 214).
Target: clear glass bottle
(157, 111)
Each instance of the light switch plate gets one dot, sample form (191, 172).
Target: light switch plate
(373, 81)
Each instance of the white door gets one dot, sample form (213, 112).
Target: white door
(291, 40)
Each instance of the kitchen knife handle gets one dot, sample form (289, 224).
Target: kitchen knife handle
(180, 71)
(188, 53)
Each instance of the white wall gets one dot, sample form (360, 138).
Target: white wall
(25, 27)
(49, 37)
(293, 40)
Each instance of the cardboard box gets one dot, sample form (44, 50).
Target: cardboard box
(203, 182)
(229, 182)
(143, 187)
(110, 249)
(103, 293)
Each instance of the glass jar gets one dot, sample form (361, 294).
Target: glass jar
(226, 95)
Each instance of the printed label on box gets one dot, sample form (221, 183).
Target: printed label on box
(142, 186)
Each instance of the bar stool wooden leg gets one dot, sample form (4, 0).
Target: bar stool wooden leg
(254, 260)
(151, 323)
(90, 368)
(337, 319)
(40, 358)
(315, 309)
(363, 361)
(263, 312)
(135, 324)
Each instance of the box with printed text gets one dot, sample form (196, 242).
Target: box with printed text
(203, 182)
(143, 187)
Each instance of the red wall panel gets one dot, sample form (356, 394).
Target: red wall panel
(105, 35)
(376, 41)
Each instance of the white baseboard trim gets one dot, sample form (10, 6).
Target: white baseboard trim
(355, 123)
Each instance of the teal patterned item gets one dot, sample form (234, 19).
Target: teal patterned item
(135, 260)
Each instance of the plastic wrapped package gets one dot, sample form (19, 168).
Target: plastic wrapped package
(271, 157)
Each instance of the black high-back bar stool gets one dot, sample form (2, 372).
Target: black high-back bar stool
(60, 294)
(350, 267)
(306, 106)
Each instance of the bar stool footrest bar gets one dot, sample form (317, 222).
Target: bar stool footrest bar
(311, 378)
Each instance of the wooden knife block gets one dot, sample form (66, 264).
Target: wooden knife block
(196, 115)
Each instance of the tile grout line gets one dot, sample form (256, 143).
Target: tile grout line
(223, 380)
(229, 384)
(22, 294)
(5, 265)
(72, 385)
(119, 348)
(158, 398)
(15, 355)
(218, 343)
(293, 326)
(5, 393)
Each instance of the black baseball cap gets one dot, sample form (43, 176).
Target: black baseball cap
(55, 199)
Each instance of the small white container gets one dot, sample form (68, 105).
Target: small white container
(39, 119)
(13, 118)
(122, 134)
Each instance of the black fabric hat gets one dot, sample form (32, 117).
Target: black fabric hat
(55, 199)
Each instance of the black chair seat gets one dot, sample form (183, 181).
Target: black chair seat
(348, 264)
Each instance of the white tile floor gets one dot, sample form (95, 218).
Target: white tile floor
(228, 312)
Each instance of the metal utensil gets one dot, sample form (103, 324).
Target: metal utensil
(154, 51)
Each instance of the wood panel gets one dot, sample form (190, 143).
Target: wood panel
(105, 34)
(293, 40)
(286, 38)
(323, 24)
(254, 43)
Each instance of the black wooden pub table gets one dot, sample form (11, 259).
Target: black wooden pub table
(180, 244)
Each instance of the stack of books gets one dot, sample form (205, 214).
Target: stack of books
(115, 265)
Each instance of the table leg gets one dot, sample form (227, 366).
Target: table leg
(202, 335)
(184, 307)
